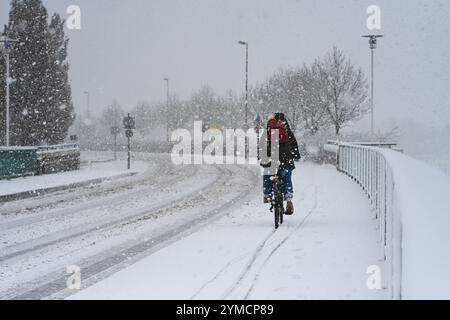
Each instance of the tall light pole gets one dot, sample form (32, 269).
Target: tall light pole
(246, 81)
(373, 39)
(88, 104)
(7, 43)
(167, 108)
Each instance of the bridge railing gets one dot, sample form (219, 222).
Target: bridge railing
(370, 169)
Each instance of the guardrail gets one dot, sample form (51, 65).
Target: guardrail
(58, 147)
(388, 145)
(57, 158)
(369, 168)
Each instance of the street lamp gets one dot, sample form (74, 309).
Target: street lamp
(167, 108)
(246, 81)
(7, 43)
(258, 129)
(88, 104)
(373, 39)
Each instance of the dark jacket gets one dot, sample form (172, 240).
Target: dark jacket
(289, 152)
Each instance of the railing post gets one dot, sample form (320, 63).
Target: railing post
(371, 174)
(350, 150)
(366, 169)
(364, 154)
(354, 165)
(363, 169)
(358, 165)
(377, 191)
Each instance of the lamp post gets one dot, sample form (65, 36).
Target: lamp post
(115, 130)
(258, 129)
(88, 104)
(246, 93)
(7, 43)
(167, 108)
(129, 124)
(246, 81)
(373, 39)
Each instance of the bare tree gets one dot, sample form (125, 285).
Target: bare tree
(314, 107)
(233, 113)
(280, 93)
(112, 116)
(150, 116)
(291, 96)
(346, 89)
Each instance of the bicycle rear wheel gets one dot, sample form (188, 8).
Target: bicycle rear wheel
(277, 217)
(281, 215)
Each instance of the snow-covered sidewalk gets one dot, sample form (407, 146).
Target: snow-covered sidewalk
(323, 251)
(88, 172)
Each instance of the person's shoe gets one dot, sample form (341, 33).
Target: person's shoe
(289, 208)
(267, 199)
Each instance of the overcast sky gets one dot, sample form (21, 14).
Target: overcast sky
(126, 47)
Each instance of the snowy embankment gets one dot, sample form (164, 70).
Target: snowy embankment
(422, 198)
(90, 172)
(437, 160)
(323, 251)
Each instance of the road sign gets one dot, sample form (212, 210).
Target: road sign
(129, 133)
(115, 130)
(129, 123)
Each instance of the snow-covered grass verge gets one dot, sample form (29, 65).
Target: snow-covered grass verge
(440, 161)
(422, 197)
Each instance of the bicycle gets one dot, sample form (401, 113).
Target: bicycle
(277, 200)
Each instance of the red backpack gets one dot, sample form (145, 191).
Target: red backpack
(282, 130)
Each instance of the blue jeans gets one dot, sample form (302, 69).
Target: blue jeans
(288, 187)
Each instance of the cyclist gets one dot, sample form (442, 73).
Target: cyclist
(288, 154)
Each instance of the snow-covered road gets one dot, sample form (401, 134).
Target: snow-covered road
(323, 251)
(107, 225)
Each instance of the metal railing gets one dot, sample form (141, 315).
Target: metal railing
(59, 147)
(370, 169)
(58, 158)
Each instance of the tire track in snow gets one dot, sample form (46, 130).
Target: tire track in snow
(217, 276)
(108, 201)
(299, 225)
(232, 262)
(260, 248)
(249, 265)
(14, 251)
(53, 200)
